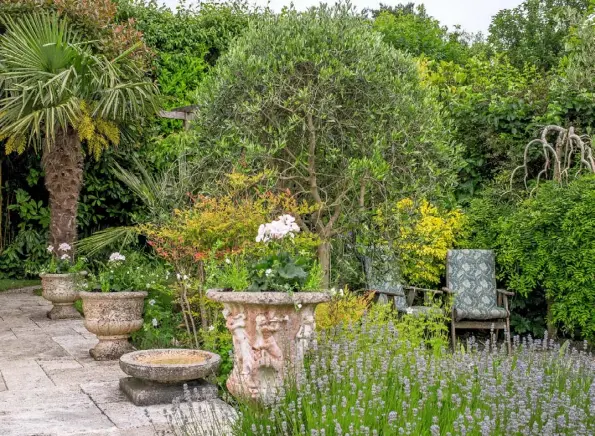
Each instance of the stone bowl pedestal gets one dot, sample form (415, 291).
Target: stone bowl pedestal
(61, 291)
(271, 332)
(112, 317)
(158, 376)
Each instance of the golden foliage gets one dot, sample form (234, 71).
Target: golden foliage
(15, 143)
(422, 234)
(345, 308)
(97, 133)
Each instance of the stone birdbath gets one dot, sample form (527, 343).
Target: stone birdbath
(158, 376)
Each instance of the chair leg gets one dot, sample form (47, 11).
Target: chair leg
(508, 335)
(453, 334)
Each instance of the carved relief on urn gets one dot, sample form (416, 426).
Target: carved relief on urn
(270, 333)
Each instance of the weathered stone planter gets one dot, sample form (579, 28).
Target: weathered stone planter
(271, 331)
(159, 376)
(112, 316)
(60, 289)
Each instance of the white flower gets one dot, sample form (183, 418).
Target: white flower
(64, 247)
(155, 322)
(65, 257)
(333, 291)
(268, 272)
(116, 257)
(299, 306)
(409, 311)
(50, 248)
(284, 226)
(148, 285)
(179, 277)
(341, 293)
(227, 260)
(185, 277)
(211, 328)
(152, 302)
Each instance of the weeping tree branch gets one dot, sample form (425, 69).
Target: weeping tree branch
(560, 157)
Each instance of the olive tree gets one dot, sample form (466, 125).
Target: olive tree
(343, 119)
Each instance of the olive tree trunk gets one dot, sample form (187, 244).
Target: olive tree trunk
(62, 163)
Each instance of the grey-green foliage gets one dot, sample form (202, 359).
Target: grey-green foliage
(319, 97)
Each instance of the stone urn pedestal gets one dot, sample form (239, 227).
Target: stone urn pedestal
(159, 376)
(112, 317)
(271, 331)
(60, 290)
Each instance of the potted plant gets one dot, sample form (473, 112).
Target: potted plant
(113, 304)
(272, 321)
(58, 282)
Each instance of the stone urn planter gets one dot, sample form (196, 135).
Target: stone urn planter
(61, 291)
(271, 331)
(112, 317)
(159, 376)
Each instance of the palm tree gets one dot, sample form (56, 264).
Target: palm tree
(58, 95)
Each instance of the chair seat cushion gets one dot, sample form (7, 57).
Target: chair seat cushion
(492, 313)
(420, 310)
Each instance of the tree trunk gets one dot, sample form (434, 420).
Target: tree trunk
(552, 332)
(62, 163)
(324, 258)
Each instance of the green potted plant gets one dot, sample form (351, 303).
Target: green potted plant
(113, 302)
(272, 320)
(58, 281)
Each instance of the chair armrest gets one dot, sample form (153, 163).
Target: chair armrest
(505, 292)
(389, 293)
(413, 288)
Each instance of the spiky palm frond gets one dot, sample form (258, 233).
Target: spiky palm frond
(120, 237)
(49, 75)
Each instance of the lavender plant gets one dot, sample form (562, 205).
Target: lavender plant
(368, 379)
(369, 382)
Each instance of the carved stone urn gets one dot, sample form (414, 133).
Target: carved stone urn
(61, 291)
(271, 331)
(112, 317)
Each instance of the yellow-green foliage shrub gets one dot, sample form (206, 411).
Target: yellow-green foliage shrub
(421, 235)
(344, 308)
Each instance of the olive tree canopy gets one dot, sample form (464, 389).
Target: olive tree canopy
(344, 119)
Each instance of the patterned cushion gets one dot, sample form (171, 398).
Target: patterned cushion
(495, 313)
(471, 275)
(382, 275)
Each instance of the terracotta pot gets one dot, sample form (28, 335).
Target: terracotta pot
(60, 289)
(271, 331)
(113, 316)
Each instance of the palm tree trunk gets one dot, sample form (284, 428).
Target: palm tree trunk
(62, 163)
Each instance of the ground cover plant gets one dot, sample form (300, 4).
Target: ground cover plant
(7, 284)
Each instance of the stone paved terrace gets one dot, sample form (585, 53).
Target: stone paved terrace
(50, 386)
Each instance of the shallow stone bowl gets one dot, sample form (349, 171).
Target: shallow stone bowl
(170, 365)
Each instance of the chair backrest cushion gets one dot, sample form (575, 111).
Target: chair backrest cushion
(382, 275)
(471, 275)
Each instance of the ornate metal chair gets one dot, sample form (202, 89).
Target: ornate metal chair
(381, 277)
(478, 304)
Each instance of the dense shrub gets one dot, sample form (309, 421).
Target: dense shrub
(548, 246)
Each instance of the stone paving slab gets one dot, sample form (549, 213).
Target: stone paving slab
(24, 375)
(84, 375)
(49, 412)
(50, 386)
(17, 349)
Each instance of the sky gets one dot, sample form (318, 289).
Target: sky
(472, 15)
